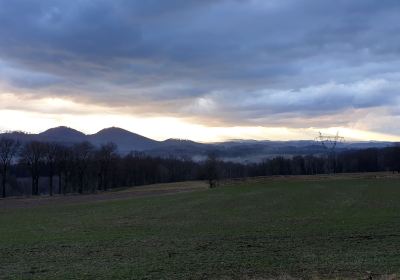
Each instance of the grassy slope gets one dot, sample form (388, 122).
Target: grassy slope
(323, 228)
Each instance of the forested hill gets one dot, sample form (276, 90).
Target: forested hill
(236, 150)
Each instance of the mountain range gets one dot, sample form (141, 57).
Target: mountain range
(235, 150)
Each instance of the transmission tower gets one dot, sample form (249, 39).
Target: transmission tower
(329, 143)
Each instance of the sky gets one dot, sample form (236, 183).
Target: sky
(207, 70)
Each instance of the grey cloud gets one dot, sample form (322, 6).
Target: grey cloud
(233, 61)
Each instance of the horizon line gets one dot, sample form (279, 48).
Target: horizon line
(181, 139)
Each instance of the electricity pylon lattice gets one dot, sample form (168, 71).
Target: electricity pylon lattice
(329, 142)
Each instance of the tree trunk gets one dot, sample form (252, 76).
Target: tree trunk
(33, 184)
(65, 183)
(3, 181)
(59, 183)
(36, 184)
(80, 190)
(100, 181)
(51, 185)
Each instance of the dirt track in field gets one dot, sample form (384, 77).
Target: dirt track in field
(142, 191)
(172, 188)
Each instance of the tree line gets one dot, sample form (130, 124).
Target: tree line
(351, 161)
(85, 168)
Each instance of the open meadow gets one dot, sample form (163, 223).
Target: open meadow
(328, 227)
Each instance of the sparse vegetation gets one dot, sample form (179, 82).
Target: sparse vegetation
(85, 168)
(8, 149)
(211, 170)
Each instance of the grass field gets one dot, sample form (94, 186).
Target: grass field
(339, 227)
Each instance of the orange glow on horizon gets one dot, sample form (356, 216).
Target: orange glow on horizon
(37, 115)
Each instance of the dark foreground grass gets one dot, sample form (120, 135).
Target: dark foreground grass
(321, 229)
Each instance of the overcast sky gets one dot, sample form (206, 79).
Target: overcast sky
(204, 70)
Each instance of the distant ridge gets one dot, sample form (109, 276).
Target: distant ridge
(233, 150)
(124, 139)
(62, 134)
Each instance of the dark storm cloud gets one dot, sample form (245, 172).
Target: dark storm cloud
(234, 61)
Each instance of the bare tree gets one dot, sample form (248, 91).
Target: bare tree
(8, 149)
(63, 167)
(83, 153)
(33, 154)
(105, 156)
(50, 156)
(211, 170)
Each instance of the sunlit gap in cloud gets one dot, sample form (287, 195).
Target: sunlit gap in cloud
(37, 115)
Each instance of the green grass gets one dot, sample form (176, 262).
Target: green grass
(322, 229)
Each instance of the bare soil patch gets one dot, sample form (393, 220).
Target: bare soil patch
(126, 193)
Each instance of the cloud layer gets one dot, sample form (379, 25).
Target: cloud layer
(287, 63)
